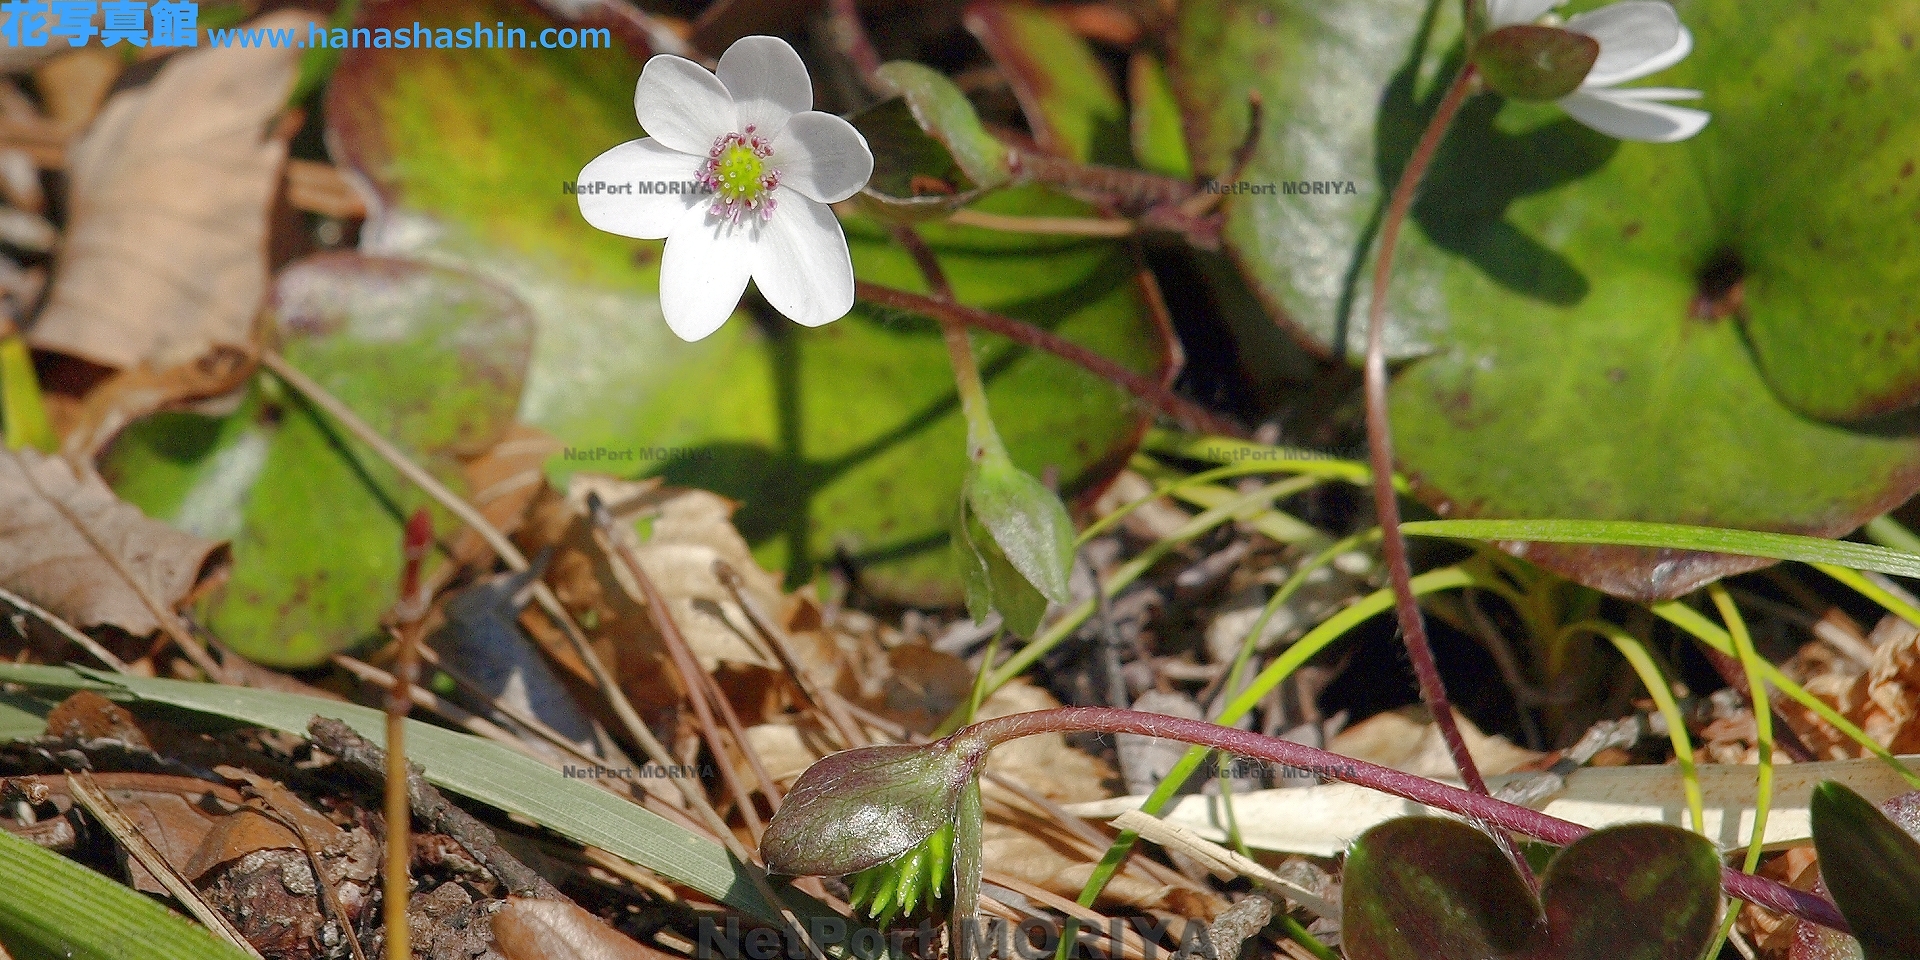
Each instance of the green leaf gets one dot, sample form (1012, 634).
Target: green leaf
(469, 766)
(55, 909)
(846, 438)
(993, 583)
(944, 113)
(431, 357)
(1572, 298)
(867, 806)
(1871, 866)
(21, 408)
(1667, 536)
(1026, 520)
(22, 717)
(1425, 888)
(1532, 62)
(915, 177)
(1158, 139)
(1066, 94)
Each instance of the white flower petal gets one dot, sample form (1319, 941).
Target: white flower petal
(1652, 93)
(681, 105)
(665, 176)
(1637, 38)
(1632, 118)
(704, 272)
(768, 82)
(1506, 13)
(801, 264)
(823, 157)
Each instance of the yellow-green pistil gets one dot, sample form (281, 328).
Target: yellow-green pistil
(899, 885)
(737, 172)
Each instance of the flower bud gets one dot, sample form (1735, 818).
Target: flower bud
(864, 807)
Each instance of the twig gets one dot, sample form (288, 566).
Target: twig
(65, 629)
(830, 707)
(433, 809)
(1181, 410)
(89, 795)
(1172, 836)
(701, 692)
(550, 604)
(409, 611)
(1046, 226)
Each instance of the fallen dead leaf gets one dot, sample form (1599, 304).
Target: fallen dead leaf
(552, 929)
(68, 544)
(1883, 699)
(165, 254)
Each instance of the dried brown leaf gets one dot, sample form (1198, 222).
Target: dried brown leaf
(68, 544)
(165, 256)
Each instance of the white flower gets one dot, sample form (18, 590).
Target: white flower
(736, 174)
(1637, 38)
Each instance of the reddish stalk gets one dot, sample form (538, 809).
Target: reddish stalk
(1478, 807)
(407, 616)
(1413, 626)
(1188, 414)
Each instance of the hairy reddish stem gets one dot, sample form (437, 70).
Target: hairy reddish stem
(1475, 806)
(1413, 628)
(1183, 411)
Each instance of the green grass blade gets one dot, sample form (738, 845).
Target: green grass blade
(1763, 736)
(52, 907)
(1655, 681)
(1855, 581)
(473, 768)
(1749, 543)
(1704, 630)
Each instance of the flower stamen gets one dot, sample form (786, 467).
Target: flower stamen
(736, 171)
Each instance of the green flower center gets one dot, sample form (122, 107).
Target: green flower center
(738, 173)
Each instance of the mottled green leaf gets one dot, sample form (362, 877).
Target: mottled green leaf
(1425, 888)
(1609, 330)
(430, 357)
(843, 438)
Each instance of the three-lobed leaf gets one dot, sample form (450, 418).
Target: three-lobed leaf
(1426, 888)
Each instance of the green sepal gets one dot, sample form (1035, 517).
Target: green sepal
(1533, 62)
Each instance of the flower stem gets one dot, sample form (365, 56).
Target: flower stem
(1413, 627)
(1188, 414)
(983, 440)
(1475, 806)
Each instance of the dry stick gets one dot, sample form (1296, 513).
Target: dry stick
(1148, 390)
(408, 613)
(89, 795)
(329, 896)
(840, 722)
(65, 629)
(164, 617)
(1413, 628)
(701, 690)
(550, 604)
